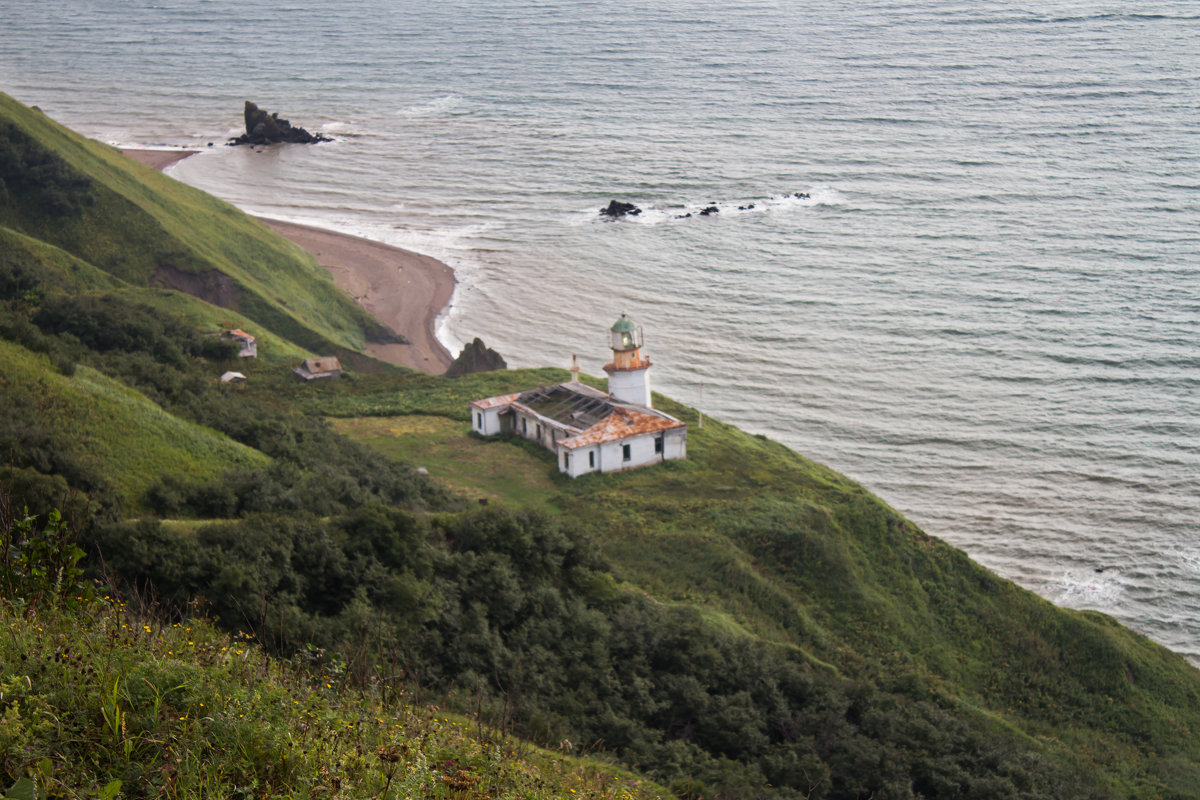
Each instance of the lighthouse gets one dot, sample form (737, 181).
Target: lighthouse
(629, 371)
(589, 430)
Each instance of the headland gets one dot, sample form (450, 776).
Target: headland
(405, 291)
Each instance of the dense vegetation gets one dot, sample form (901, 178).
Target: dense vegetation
(101, 700)
(741, 624)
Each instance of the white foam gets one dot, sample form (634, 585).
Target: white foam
(447, 104)
(1083, 588)
(824, 195)
(819, 194)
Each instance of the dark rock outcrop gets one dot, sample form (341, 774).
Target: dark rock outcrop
(710, 211)
(618, 209)
(264, 128)
(476, 357)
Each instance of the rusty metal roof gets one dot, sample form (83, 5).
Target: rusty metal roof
(323, 364)
(592, 414)
(622, 423)
(495, 402)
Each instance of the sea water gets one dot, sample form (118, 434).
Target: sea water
(984, 304)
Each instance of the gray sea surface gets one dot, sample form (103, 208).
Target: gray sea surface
(985, 304)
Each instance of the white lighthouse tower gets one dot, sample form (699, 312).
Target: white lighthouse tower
(629, 371)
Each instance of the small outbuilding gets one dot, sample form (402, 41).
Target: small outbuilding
(319, 369)
(232, 377)
(247, 344)
(589, 430)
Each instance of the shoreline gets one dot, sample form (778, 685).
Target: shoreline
(406, 291)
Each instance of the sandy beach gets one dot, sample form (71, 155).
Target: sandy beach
(406, 291)
(159, 159)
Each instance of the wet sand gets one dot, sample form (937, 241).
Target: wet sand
(405, 291)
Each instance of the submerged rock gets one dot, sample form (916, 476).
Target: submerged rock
(476, 357)
(264, 128)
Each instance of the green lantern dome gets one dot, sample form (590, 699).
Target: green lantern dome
(624, 324)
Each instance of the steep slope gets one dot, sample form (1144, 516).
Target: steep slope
(55, 270)
(109, 429)
(145, 228)
(100, 701)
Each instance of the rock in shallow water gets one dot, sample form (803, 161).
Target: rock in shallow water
(619, 209)
(264, 128)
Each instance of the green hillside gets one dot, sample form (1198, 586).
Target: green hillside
(98, 700)
(143, 227)
(764, 541)
(745, 623)
(112, 429)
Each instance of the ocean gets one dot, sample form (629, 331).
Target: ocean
(984, 304)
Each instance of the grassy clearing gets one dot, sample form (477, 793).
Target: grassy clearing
(473, 467)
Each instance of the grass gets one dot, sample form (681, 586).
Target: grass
(141, 220)
(60, 270)
(765, 541)
(126, 436)
(474, 467)
(99, 701)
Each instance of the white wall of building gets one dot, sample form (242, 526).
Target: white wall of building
(675, 444)
(611, 456)
(486, 422)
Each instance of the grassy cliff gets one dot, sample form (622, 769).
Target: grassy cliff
(744, 623)
(145, 229)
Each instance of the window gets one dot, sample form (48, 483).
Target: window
(658, 444)
(567, 461)
(479, 421)
(591, 459)
(626, 452)
(524, 425)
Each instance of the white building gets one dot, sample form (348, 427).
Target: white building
(587, 429)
